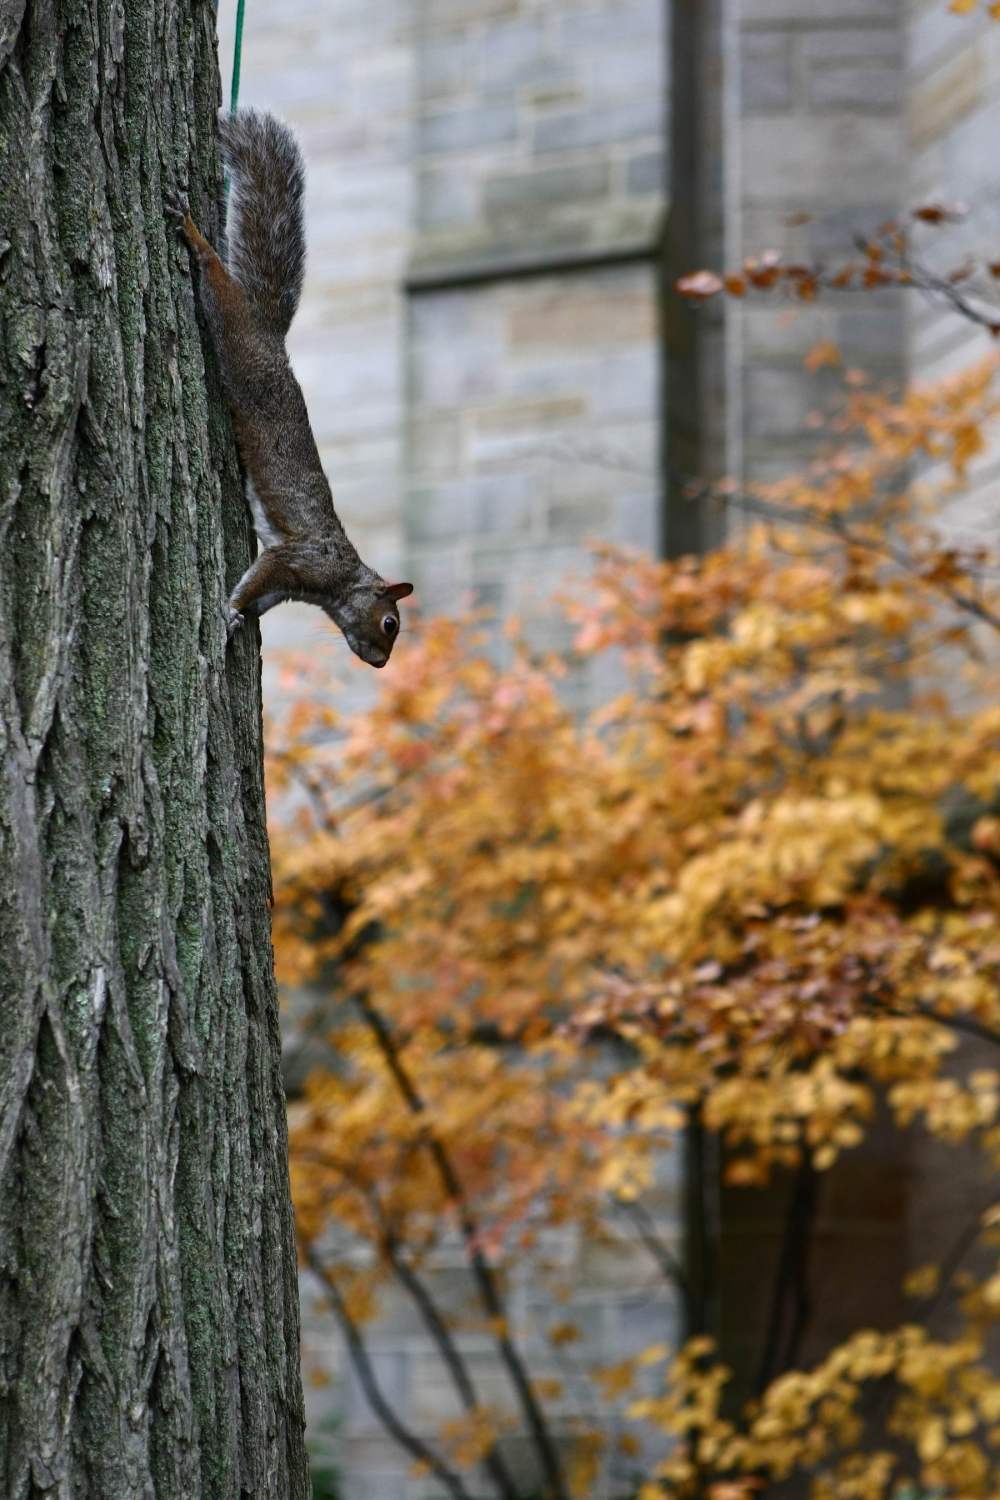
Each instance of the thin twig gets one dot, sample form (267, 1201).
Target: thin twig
(952, 1263)
(922, 279)
(660, 1253)
(950, 1267)
(959, 1023)
(908, 564)
(837, 526)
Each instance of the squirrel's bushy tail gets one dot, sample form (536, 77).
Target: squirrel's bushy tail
(266, 239)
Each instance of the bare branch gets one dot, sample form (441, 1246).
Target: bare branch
(839, 527)
(661, 1254)
(361, 1360)
(486, 1283)
(451, 1355)
(885, 262)
(965, 1024)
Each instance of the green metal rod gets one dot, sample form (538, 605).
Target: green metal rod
(237, 54)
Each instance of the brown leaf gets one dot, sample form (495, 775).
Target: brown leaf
(940, 213)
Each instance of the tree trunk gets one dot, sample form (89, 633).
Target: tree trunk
(148, 1295)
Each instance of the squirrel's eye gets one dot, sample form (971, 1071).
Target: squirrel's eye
(389, 625)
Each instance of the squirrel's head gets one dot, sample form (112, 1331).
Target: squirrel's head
(369, 618)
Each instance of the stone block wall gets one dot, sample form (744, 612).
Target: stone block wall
(533, 428)
(532, 336)
(953, 122)
(819, 157)
(540, 126)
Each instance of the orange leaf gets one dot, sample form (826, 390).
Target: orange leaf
(823, 353)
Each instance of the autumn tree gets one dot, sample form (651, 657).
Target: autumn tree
(755, 897)
(148, 1294)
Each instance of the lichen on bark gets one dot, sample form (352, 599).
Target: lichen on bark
(148, 1293)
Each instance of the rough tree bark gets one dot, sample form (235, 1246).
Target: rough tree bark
(148, 1296)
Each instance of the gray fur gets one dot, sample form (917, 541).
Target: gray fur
(248, 304)
(266, 252)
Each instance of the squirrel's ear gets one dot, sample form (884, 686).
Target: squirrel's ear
(398, 590)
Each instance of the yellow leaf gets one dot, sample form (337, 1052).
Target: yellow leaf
(547, 1387)
(922, 1282)
(469, 1437)
(932, 1440)
(615, 1380)
(584, 1464)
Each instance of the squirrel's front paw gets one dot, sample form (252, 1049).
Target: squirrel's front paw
(175, 206)
(233, 621)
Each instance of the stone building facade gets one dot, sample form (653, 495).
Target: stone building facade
(500, 195)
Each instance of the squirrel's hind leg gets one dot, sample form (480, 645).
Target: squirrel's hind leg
(222, 298)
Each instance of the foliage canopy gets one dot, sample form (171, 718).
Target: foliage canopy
(758, 890)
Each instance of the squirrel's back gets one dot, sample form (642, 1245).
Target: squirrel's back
(265, 234)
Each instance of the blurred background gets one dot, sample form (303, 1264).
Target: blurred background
(500, 197)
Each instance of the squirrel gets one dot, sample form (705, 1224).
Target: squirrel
(249, 304)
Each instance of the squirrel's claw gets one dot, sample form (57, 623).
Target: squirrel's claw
(175, 206)
(233, 621)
